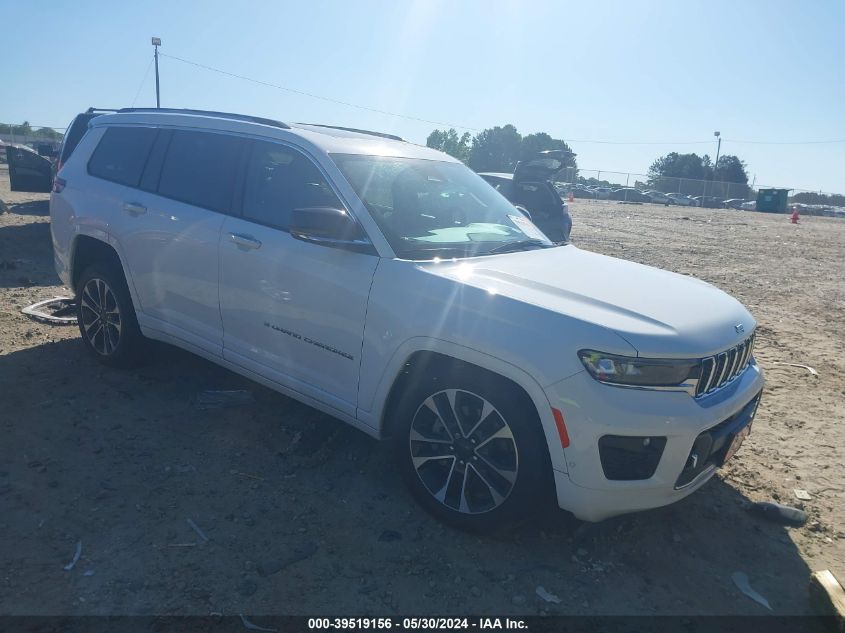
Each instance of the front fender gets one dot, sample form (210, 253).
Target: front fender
(403, 352)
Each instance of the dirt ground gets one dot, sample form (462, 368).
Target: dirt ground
(121, 460)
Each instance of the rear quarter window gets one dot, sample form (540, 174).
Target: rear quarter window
(121, 154)
(74, 134)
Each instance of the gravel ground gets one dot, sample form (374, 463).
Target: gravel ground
(303, 515)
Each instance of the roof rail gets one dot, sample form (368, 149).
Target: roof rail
(392, 137)
(222, 115)
(93, 110)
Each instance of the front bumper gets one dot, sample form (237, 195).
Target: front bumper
(593, 410)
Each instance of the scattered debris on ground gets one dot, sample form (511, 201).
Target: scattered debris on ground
(196, 529)
(799, 365)
(57, 311)
(76, 554)
(545, 595)
(741, 581)
(785, 515)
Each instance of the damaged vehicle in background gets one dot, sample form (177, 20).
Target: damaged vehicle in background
(658, 197)
(530, 186)
(681, 199)
(28, 171)
(629, 194)
(391, 287)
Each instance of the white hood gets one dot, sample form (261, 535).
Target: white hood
(660, 313)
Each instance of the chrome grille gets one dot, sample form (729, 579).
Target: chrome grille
(720, 369)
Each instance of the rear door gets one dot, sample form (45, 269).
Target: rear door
(169, 228)
(292, 311)
(28, 171)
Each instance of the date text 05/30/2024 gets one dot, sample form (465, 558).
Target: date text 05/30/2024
(415, 624)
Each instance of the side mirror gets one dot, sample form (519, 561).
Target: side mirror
(328, 226)
(523, 210)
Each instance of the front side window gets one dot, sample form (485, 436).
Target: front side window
(121, 154)
(280, 179)
(200, 169)
(431, 208)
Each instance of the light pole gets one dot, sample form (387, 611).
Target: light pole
(157, 43)
(715, 165)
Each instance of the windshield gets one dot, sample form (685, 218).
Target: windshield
(430, 209)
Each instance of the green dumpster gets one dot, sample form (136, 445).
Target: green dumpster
(772, 200)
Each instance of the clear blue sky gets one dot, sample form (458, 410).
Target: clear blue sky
(619, 71)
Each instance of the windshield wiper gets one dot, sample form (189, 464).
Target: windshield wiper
(517, 245)
(445, 251)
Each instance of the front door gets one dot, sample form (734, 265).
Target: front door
(292, 311)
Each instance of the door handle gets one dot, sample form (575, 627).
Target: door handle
(244, 241)
(134, 208)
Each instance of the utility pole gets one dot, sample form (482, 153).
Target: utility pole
(718, 147)
(157, 43)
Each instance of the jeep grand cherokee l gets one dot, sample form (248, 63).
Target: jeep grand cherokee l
(388, 285)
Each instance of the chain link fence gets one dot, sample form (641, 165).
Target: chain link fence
(718, 189)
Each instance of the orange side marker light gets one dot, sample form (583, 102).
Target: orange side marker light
(561, 428)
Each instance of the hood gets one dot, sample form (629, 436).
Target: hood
(660, 313)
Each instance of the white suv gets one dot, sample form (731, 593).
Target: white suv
(388, 285)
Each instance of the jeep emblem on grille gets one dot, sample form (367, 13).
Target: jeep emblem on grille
(739, 327)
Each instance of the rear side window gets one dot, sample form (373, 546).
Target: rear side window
(121, 154)
(200, 169)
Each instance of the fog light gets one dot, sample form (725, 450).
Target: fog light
(630, 458)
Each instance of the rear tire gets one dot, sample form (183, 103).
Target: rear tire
(106, 316)
(471, 451)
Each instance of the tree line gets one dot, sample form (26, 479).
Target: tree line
(500, 148)
(690, 173)
(809, 197)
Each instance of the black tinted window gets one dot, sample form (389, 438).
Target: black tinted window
(200, 169)
(280, 179)
(74, 134)
(121, 154)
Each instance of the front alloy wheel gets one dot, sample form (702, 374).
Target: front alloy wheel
(100, 316)
(463, 451)
(470, 448)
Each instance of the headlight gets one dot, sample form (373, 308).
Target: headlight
(639, 372)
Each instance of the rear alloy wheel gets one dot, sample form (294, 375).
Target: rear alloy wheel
(100, 316)
(472, 452)
(106, 317)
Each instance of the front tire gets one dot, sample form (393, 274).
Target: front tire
(472, 452)
(106, 317)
